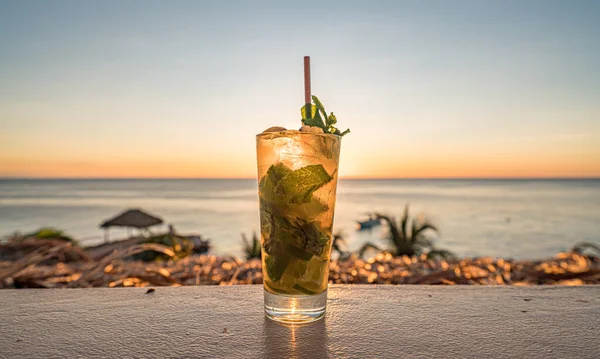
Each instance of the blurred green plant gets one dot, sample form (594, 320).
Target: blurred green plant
(181, 247)
(48, 233)
(585, 247)
(252, 248)
(408, 236)
(340, 246)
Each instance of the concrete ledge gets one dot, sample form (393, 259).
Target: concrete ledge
(361, 322)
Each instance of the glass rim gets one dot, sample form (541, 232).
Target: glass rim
(296, 132)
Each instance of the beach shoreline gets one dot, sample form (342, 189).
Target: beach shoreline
(61, 265)
(516, 218)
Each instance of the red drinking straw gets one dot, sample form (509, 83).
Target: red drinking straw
(307, 99)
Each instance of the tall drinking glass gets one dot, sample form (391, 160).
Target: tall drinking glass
(297, 173)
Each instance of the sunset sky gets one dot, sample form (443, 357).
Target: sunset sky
(179, 89)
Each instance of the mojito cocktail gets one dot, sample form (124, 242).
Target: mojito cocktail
(297, 180)
(297, 173)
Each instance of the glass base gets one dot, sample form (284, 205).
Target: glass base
(295, 309)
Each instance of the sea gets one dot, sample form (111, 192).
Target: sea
(511, 218)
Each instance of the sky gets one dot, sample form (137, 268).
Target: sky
(179, 89)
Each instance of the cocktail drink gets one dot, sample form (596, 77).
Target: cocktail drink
(297, 174)
(297, 185)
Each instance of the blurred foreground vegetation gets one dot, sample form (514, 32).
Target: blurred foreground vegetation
(49, 258)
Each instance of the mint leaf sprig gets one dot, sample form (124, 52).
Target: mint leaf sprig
(311, 116)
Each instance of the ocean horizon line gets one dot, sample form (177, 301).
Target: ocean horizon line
(341, 178)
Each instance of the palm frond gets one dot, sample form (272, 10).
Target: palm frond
(404, 223)
(395, 238)
(251, 249)
(246, 242)
(441, 253)
(256, 245)
(423, 242)
(407, 236)
(340, 246)
(418, 231)
(339, 236)
(583, 246)
(338, 243)
(366, 247)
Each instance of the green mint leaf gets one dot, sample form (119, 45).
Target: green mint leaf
(314, 122)
(319, 120)
(270, 202)
(266, 186)
(305, 113)
(277, 172)
(266, 219)
(318, 117)
(301, 289)
(296, 236)
(298, 252)
(319, 105)
(331, 120)
(299, 185)
(314, 239)
(281, 205)
(308, 210)
(281, 234)
(276, 234)
(276, 265)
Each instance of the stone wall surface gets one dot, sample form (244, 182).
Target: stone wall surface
(362, 321)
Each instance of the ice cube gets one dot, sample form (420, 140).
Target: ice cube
(311, 129)
(275, 129)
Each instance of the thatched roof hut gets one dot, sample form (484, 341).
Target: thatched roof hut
(132, 218)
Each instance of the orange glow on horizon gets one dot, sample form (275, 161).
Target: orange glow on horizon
(158, 169)
(416, 167)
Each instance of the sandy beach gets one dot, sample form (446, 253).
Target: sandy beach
(56, 264)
